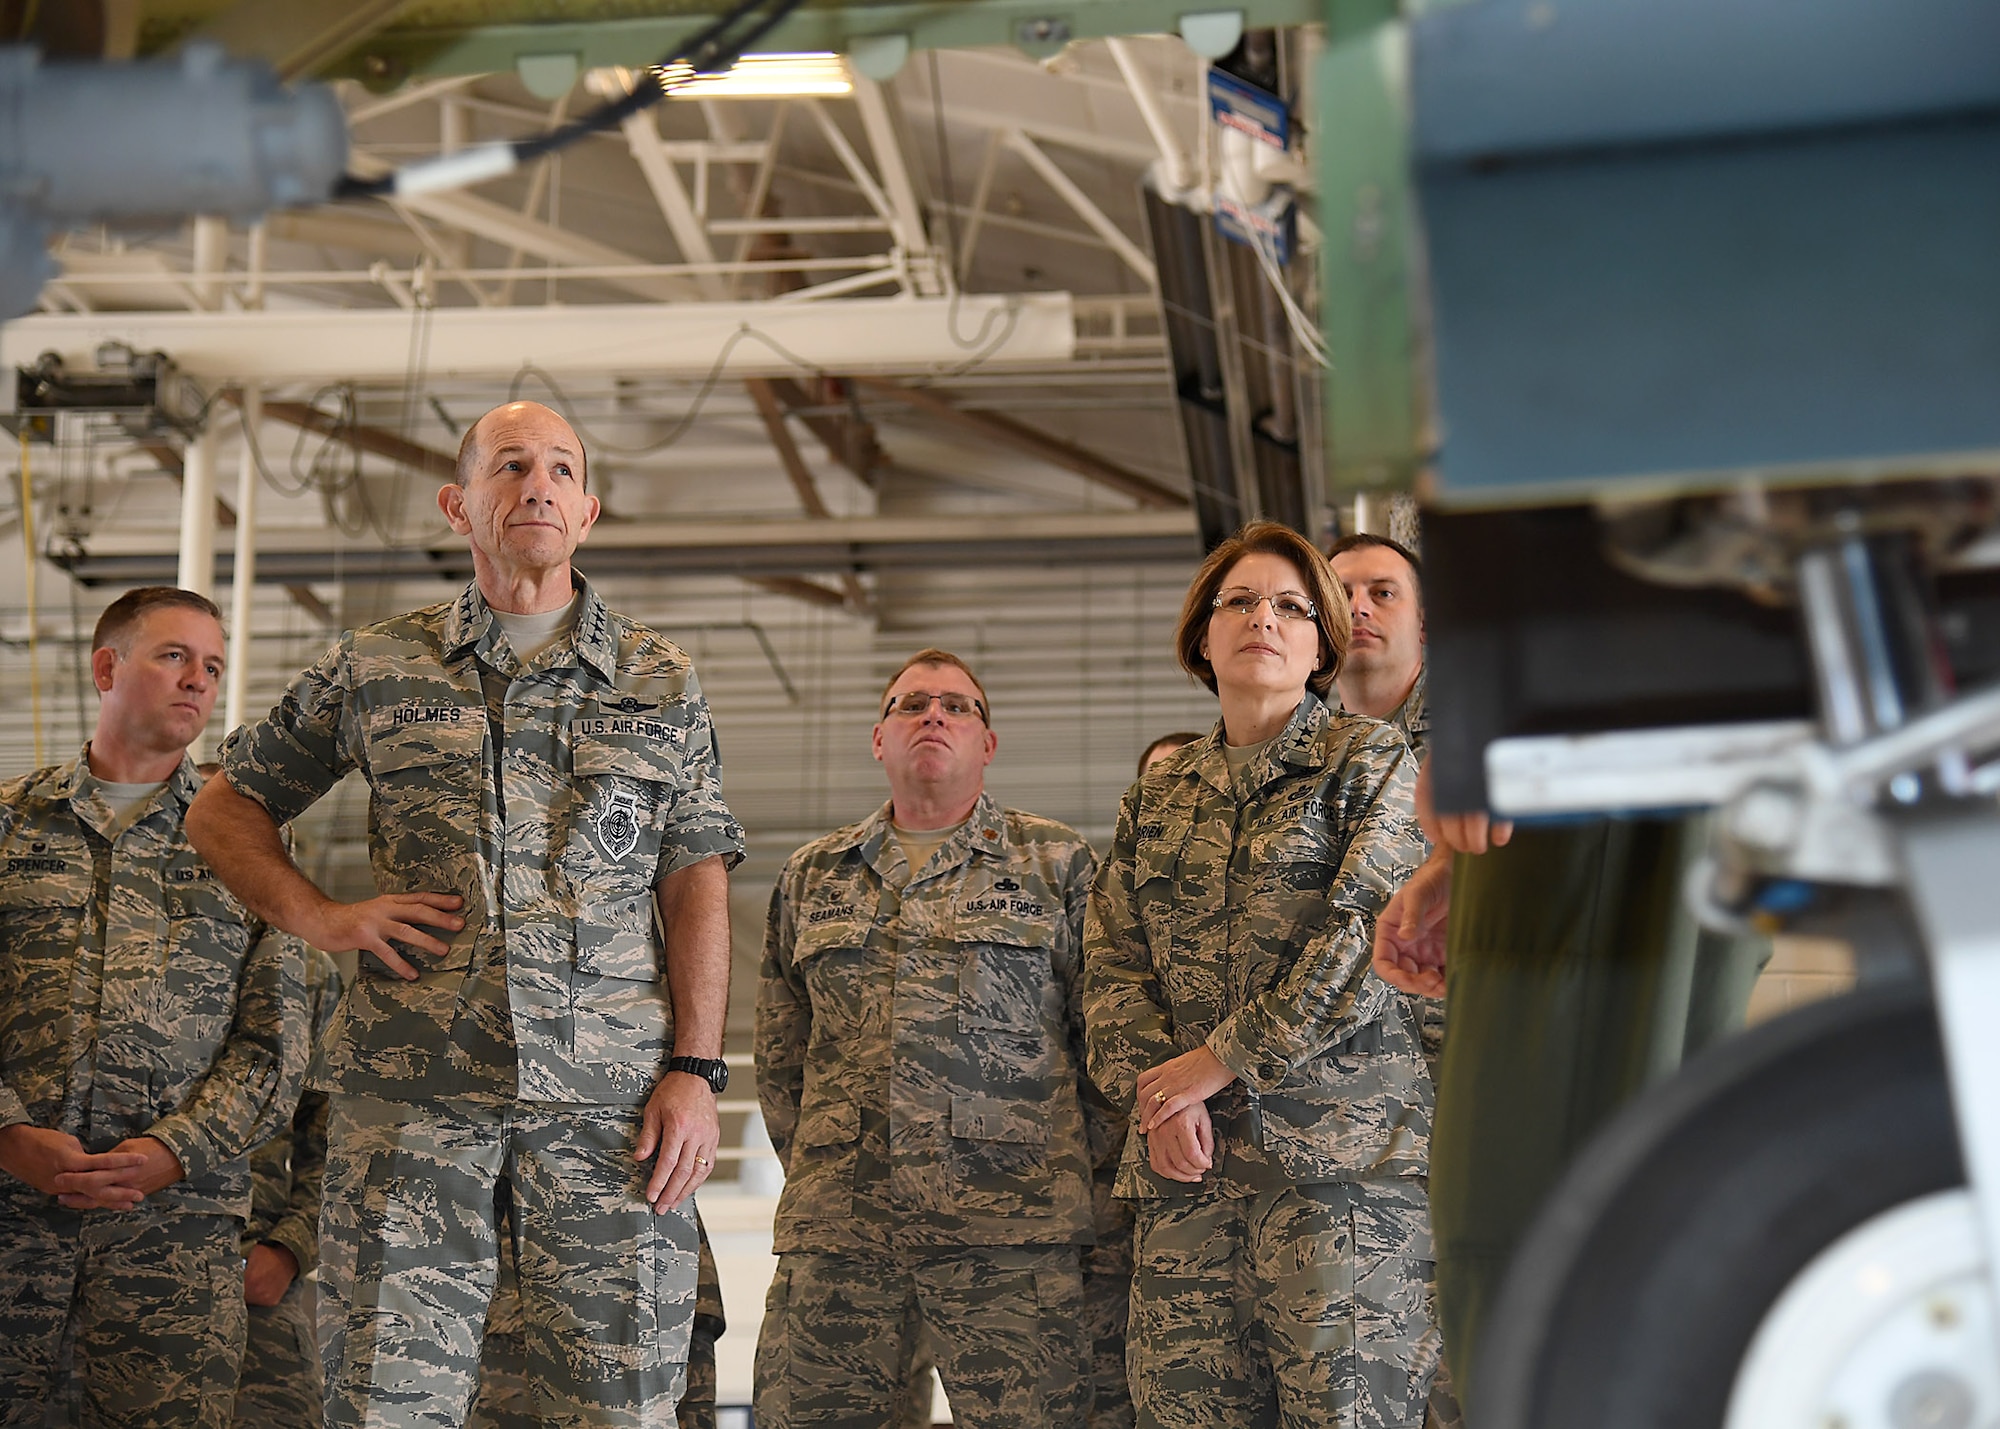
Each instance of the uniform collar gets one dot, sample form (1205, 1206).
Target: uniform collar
(470, 627)
(984, 831)
(65, 784)
(1296, 745)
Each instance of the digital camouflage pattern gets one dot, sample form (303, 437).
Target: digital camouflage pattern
(1413, 715)
(280, 1382)
(841, 1332)
(137, 995)
(409, 1259)
(504, 1400)
(920, 1052)
(1345, 1335)
(154, 1305)
(919, 1039)
(1248, 928)
(609, 780)
(1413, 718)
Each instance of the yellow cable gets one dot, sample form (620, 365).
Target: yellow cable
(34, 616)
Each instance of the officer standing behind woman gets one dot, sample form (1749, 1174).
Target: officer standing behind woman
(1280, 1107)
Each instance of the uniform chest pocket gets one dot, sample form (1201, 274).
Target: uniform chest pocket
(1002, 986)
(846, 983)
(207, 941)
(425, 770)
(623, 791)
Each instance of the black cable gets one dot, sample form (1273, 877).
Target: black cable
(711, 50)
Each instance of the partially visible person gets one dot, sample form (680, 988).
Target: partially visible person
(150, 1035)
(1382, 675)
(505, 1399)
(1165, 745)
(1279, 1104)
(280, 1385)
(920, 1068)
(1574, 976)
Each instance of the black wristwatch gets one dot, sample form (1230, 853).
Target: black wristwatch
(712, 1070)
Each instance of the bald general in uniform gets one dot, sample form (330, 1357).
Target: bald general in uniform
(547, 829)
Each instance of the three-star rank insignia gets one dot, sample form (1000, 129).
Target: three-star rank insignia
(618, 825)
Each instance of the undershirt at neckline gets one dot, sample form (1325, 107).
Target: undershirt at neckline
(530, 635)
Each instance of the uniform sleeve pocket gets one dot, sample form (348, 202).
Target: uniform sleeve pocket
(619, 938)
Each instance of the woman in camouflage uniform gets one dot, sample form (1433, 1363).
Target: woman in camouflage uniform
(1280, 1106)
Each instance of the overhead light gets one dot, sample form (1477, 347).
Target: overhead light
(762, 77)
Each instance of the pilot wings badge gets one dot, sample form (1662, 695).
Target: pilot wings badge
(618, 825)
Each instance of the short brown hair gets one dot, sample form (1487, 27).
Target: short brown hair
(1360, 540)
(122, 618)
(931, 655)
(1269, 538)
(1171, 743)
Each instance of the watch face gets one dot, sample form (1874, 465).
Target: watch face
(718, 1076)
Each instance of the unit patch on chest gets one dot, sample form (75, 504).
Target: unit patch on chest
(618, 824)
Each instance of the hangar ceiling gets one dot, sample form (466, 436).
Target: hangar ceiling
(857, 373)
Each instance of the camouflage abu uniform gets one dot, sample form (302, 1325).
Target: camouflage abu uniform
(920, 1067)
(1244, 922)
(504, 1400)
(137, 997)
(552, 798)
(280, 1381)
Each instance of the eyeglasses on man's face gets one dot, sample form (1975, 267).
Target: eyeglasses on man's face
(1286, 605)
(915, 702)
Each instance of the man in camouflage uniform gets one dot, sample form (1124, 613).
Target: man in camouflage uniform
(920, 1067)
(504, 1402)
(1382, 673)
(1382, 676)
(280, 1383)
(149, 1036)
(547, 823)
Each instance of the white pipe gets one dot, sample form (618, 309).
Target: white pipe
(211, 256)
(197, 564)
(197, 568)
(244, 582)
(1173, 159)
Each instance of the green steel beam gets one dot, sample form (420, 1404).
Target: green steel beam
(1369, 306)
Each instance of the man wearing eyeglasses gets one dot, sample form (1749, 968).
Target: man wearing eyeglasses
(921, 1069)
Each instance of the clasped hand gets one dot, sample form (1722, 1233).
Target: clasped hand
(55, 1163)
(1172, 1112)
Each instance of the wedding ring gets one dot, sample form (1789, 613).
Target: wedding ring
(1159, 1097)
(701, 1161)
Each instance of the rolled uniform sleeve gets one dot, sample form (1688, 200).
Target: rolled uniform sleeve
(1330, 991)
(248, 1094)
(1127, 1026)
(784, 1026)
(296, 753)
(700, 825)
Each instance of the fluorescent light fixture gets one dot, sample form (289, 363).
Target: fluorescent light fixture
(762, 77)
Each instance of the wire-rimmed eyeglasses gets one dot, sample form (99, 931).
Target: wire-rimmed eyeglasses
(1286, 605)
